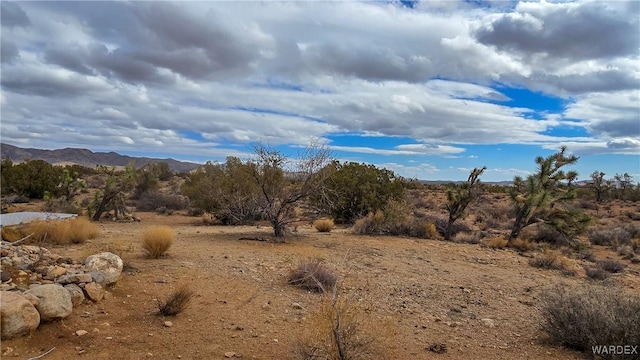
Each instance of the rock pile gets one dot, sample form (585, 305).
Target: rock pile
(38, 285)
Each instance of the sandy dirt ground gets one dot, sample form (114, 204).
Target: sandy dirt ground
(414, 293)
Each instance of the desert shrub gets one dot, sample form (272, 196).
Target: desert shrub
(467, 238)
(395, 222)
(548, 235)
(313, 276)
(59, 232)
(441, 224)
(153, 200)
(323, 225)
(610, 266)
(585, 254)
(596, 273)
(547, 261)
(340, 329)
(176, 302)
(496, 242)
(609, 237)
(157, 240)
(370, 224)
(587, 316)
(522, 244)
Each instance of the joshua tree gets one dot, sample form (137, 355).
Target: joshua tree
(459, 197)
(599, 185)
(538, 198)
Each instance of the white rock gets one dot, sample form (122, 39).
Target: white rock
(81, 332)
(19, 317)
(108, 263)
(490, 323)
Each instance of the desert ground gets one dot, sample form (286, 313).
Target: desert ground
(413, 293)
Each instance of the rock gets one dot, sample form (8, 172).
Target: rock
(108, 263)
(296, 305)
(94, 291)
(230, 354)
(5, 276)
(490, 323)
(34, 300)
(74, 279)
(18, 316)
(55, 301)
(81, 332)
(77, 295)
(55, 272)
(168, 324)
(438, 348)
(98, 277)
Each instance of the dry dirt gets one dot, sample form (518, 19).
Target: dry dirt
(415, 292)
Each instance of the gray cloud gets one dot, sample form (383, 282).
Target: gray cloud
(574, 31)
(12, 15)
(9, 50)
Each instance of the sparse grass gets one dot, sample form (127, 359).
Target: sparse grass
(323, 225)
(591, 315)
(370, 224)
(176, 302)
(341, 329)
(59, 232)
(496, 242)
(157, 240)
(313, 276)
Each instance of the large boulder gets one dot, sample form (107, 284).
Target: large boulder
(108, 263)
(55, 301)
(18, 316)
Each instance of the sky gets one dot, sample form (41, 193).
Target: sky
(428, 89)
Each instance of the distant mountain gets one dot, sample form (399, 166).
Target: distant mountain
(88, 158)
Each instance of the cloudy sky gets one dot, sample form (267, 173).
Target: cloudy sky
(427, 89)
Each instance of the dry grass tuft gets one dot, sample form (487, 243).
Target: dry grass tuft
(59, 232)
(323, 225)
(157, 240)
(313, 276)
(548, 260)
(591, 315)
(341, 329)
(176, 302)
(522, 244)
(496, 242)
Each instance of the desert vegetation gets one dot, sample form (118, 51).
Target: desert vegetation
(548, 224)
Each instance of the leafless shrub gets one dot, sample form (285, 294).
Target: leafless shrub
(467, 238)
(547, 261)
(153, 200)
(313, 276)
(582, 317)
(340, 330)
(610, 266)
(609, 237)
(176, 302)
(596, 273)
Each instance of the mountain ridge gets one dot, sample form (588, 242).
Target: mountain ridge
(88, 158)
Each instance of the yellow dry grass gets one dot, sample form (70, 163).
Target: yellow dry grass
(59, 232)
(156, 240)
(323, 225)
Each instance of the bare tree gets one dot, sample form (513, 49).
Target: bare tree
(286, 183)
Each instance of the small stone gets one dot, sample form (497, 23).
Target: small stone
(109, 338)
(82, 332)
(490, 323)
(94, 291)
(296, 305)
(168, 324)
(266, 306)
(229, 354)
